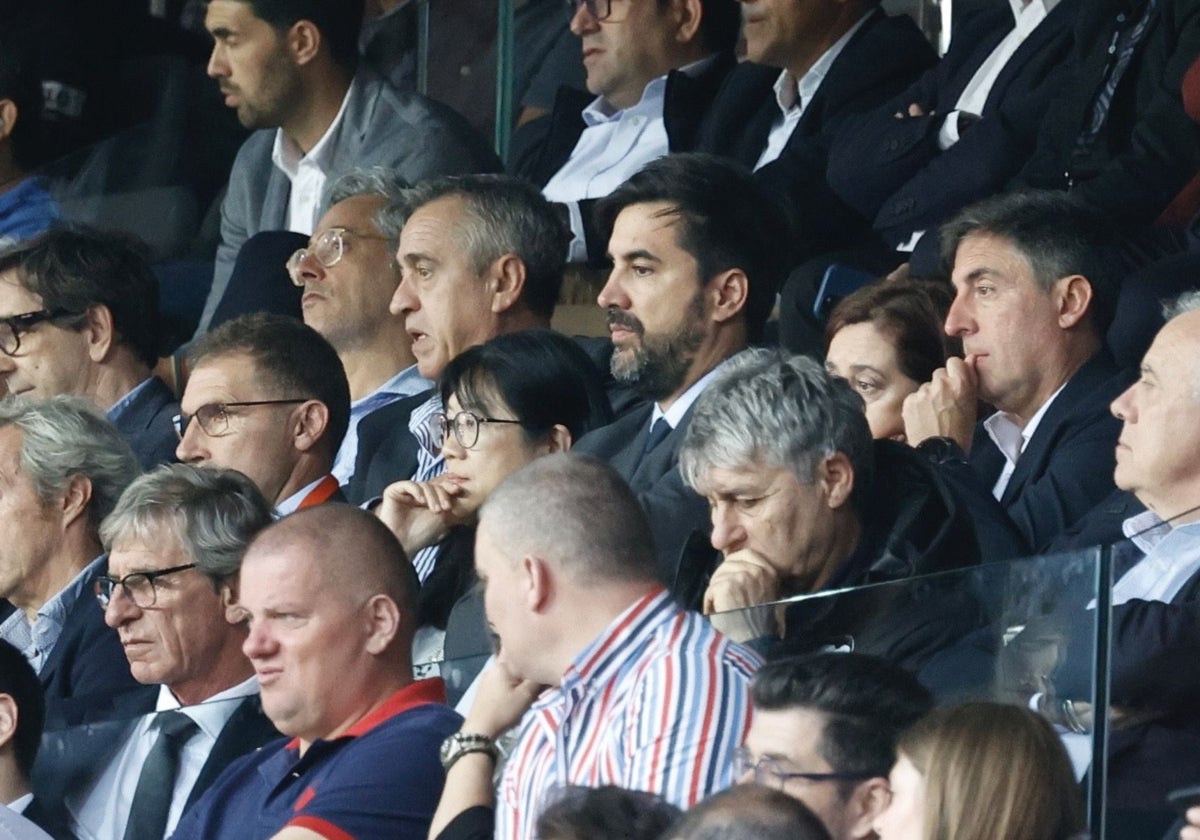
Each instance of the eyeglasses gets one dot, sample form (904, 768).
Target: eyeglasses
(767, 771)
(214, 417)
(598, 9)
(139, 586)
(12, 327)
(465, 425)
(328, 250)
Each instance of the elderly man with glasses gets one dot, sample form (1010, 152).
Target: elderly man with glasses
(267, 396)
(348, 274)
(79, 315)
(653, 67)
(176, 539)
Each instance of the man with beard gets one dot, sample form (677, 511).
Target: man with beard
(698, 248)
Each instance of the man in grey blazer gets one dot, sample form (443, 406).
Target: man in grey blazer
(291, 70)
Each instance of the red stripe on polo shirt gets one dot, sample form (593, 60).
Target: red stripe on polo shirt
(419, 693)
(319, 826)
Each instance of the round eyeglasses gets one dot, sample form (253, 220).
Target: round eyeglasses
(328, 249)
(465, 426)
(139, 586)
(768, 771)
(12, 327)
(213, 418)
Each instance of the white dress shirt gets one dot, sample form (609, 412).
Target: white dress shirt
(1012, 439)
(680, 407)
(1172, 558)
(307, 172)
(101, 813)
(13, 826)
(793, 96)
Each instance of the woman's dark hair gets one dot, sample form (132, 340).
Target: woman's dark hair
(545, 378)
(910, 313)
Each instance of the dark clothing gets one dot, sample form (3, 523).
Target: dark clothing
(147, 424)
(387, 451)
(882, 58)
(893, 172)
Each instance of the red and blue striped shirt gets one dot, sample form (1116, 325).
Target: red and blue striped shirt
(658, 702)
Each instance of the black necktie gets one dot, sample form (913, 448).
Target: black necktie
(156, 784)
(658, 432)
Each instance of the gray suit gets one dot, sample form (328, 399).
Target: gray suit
(381, 126)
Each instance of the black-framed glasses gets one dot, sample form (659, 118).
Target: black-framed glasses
(465, 426)
(769, 771)
(12, 326)
(214, 417)
(328, 249)
(139, 586)
(598, 9)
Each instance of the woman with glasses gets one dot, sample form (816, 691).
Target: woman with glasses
(506, 402)
(981, 771)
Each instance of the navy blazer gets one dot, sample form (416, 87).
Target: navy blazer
(674, 510)
(387, 451)
(892, 171)
(147, 424)
(1067, 468)
(86, 676)
(882, 58)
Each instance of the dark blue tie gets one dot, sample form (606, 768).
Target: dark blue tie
(156, 784)
(658, 433)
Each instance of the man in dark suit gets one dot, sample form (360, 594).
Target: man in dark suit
(63, 468)
(175, 540)
(267, 396)
(1035, 289)
(812, 65)
(698, 248)
(652, 72)
(79, 315)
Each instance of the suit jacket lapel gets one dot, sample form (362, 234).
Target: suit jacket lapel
(627, 460)
(246, 729)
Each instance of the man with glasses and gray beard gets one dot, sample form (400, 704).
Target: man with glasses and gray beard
(699, 248)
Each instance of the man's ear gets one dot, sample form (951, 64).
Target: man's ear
(559, 439)
(8, 118)
(99, 331)
(507, 276)
(728, 293)
(383, 617)
(9, 715)
(76, 498)
(865, 803)
(1073, 296)
(539, 582)
(303, 42)
(688, 14)
(311, 423)
(837, 477)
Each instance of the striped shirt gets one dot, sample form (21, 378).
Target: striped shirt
(430, 465)
(658, 702)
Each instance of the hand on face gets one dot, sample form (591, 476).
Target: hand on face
(420, 513)
(946, 406)
(500, 702)
(744, 579)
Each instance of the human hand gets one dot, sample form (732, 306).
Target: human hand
(744, 579)
(1192, 830)
(945, 406)
(501, 699)
(418, 513)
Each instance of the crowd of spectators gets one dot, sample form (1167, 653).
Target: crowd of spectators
(313, 525)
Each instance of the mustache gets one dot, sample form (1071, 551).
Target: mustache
(621, 318)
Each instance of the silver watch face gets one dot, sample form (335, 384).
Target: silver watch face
(448, 746)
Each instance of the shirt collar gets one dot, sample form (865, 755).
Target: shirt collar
(57, 607)
(418, 424)
(680, 407)
(1018, 7)
(789, 91)
(212, 714)
(651, 103)
(1010, 438)
(406, 383)
(122, 405)
(292, 503)
(419, 693)
(287, 155)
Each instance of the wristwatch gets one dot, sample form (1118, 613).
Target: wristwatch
(462, 743)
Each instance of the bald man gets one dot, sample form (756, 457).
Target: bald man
(330, 635)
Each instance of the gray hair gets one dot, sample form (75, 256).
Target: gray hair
(378, 181)
(63, 437)
(576, 511)
(501, 215)
(214, 513)
(786, 411)
(1186, 302)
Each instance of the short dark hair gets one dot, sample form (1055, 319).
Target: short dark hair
(582, 813)
(20, 682)
(291, 359)
(750, 812)
(728, 219)
(501, 215)
(19, 82)
(907, 314)
(720, 23)
(1056, 233)
(73, 267)
(339, 22)
(867, 702)
(543, 376)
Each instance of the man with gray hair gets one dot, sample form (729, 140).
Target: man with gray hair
(348, 274)
(176, 540)
(571, 591)
(1035, 292)
(802, 499)
(62, 468)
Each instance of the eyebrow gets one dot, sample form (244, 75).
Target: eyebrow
(221, 32)
(640, 254)
(415, 258)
